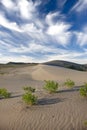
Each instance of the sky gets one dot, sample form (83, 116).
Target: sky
(43, 30)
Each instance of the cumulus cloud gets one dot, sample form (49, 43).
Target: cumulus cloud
(60, 32)
(58, 29)
(26, 8)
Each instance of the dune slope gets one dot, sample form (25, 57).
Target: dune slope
(43, 72)
(65, 110)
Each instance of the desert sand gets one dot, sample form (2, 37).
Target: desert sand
(65, 110)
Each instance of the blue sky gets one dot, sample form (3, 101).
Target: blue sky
(43, 30)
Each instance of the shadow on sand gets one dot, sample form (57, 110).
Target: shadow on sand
(47, 101)
(68, 90)
(50, 101)
(15, 96)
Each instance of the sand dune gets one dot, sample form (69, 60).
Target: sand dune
(46, 72)
(65, 110)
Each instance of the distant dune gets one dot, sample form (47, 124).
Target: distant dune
(66, 64)
(65, 110)
(60, 63)
(43, 72)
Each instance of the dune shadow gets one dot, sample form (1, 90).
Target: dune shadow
(2, 98)
(49, 101)
(15, 96)
(11, 96)
(69, 90)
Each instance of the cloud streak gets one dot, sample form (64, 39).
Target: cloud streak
(80, 6)
(31, 36)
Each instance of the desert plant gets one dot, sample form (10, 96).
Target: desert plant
(29, 89)
(69, 83)
(85, 123)
(4, 93)
(29, 98)
(83, 90)
(51, 86)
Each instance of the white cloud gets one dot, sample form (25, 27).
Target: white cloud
(53, 18)
(58, 53)
(30, 47)
(26, 8)
(29, 28)
(0, 54)
(72, 56)
(82, 37)
(50, 18)
(4, 34)
(35, 28)
(37, 34)
(8, 4)
(22, 8)
(4, 45)
(58, 28)
(60, 32)
(37, 3)
(81, 5)
(7, 24)
(22, 58)
(33, 48)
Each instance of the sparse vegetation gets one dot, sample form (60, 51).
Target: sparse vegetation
(85, 123)
(29, 89)
(4, 93)
(83, 90)
(69, 83)
(51, 86)
(2, 73)
(28, 97)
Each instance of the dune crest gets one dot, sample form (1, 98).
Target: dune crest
(47, 72)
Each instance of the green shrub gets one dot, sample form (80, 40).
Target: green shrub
(29, 89)
(51, 86)
(85, 123)
(4, 93)
(29, 98)
(83, 91)
(69, 83)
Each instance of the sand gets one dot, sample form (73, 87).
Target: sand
(65, 110)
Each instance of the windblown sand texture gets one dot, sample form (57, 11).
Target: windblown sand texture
(65, 110)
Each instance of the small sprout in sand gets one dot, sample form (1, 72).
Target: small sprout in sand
(69, 83)
(83, 91)
(51, 86)
(29, 89)
(4, 93)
